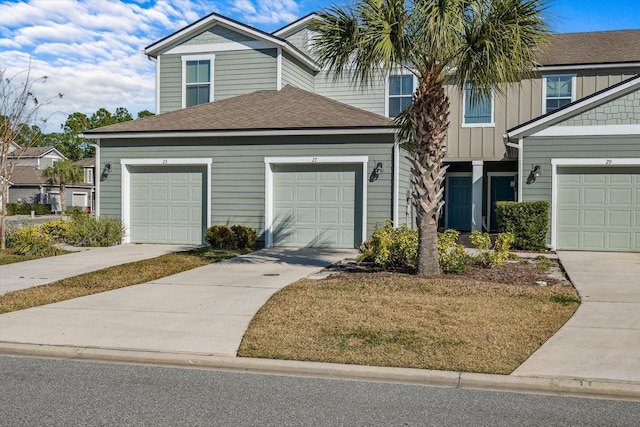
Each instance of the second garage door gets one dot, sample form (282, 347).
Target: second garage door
(167, 204)
(598, 209)
(317, 205)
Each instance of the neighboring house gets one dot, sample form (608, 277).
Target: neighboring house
(253, 131)
(29, 186)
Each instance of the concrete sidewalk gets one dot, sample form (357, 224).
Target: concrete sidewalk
(602, 339)
(204, 311)
(27, 274)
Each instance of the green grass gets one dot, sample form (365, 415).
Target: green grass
(6, 257)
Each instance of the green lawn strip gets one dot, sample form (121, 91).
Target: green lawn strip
(113, 278)
(9, 258)
(405, 321)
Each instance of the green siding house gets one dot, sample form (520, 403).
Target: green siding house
(251, 130)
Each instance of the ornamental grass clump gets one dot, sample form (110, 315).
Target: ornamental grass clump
(32, 241)
(85, 230)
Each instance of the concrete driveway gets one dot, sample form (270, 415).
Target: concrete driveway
(27, 274)
(602, 339)
(201, 311)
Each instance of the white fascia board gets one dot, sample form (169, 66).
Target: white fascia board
(599, 130)
(295, 26)
(167, 44)
(577, 108)
(213, 134)
(545, 68)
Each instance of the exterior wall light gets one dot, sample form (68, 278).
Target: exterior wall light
(535, 173)
(106, 171)
(377, 171)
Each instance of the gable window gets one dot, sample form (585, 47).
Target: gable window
(197, 72)
(400, 92)
(558, 92)
(478, 109)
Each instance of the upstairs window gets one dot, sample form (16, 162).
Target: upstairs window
(400, 92)
(558, 92)
(197, 78)
(89, 173)
(478, 109)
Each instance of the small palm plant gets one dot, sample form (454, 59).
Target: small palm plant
(63, 172)
(484, 43)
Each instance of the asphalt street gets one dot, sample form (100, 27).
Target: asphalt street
(48, 392)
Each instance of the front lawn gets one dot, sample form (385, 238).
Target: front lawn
(453, 323)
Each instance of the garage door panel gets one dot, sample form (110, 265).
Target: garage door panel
(167, 204)
(606, 213)
(315, 205)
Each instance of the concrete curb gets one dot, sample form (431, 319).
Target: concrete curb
(592, 388)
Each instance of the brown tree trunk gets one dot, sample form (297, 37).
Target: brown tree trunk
(429, 119)
(63, 189)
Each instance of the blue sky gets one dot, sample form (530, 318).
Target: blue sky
(92, 49)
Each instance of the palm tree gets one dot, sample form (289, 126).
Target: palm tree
(63, 172)
(482, 42)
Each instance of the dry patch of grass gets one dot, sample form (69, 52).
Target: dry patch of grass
(386, 319)
(7, 257)
(112, 278)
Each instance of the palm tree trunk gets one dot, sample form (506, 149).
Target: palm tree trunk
(63, 201)
(429, 119)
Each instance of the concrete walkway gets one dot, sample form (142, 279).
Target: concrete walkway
(22, 275)
(602, 339)
(204, 311)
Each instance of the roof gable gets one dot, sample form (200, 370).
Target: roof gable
(288, 109)
(202, 25)
(295, 26)
(576, 108)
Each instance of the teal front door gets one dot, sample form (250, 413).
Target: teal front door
(502, 189)
(458, 202)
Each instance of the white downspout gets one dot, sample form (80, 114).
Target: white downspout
(396, 183)
(96, 178)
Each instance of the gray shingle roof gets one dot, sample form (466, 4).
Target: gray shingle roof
(602, 47)
(30, 152)
(27, 175)
(287, 109)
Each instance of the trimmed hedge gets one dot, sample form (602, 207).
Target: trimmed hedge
(528, 221)
(26, 208)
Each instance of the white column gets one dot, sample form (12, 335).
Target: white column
(476, 195)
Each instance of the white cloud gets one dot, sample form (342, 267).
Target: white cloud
(267, 11)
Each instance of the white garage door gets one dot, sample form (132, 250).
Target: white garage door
(598, 209)
(167, 204)
(317, 205)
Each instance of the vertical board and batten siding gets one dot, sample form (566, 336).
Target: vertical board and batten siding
(238, 170)
(296, 74)
(520, 103)
(369, 98)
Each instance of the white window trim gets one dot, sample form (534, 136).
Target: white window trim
(544, 89)
(478, 125)
(269, 161)
(386, 88)
(185, 58)
(90, 174)
(489, 176)
(125, 186)
(446, 194)
(555, 163)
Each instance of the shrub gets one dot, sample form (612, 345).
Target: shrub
(221, 237)
(391, 247)
(85, 230)
(528, 221)
(452, 255)
(26, 208)
(245, 236)
(31, 240)
(58, 230)
(488, 256)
